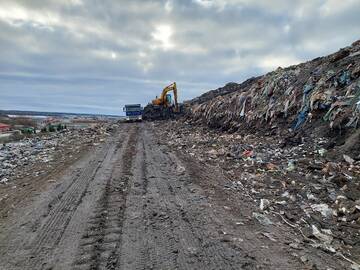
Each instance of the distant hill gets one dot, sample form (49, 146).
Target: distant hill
(55, 114)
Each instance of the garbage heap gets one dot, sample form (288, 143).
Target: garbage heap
(158, 112)
(40, 154)
(322, 95)
(297, 185)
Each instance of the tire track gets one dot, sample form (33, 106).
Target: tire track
(133, 252)
(194, 233)
(99, 247)
(50, 233)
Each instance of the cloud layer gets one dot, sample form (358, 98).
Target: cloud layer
(95, 56)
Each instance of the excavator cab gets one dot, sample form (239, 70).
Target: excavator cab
(168, 99)
(165, 98)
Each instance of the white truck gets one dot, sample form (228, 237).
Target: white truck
(133, 112)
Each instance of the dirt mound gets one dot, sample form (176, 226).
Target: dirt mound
(320, 97)
(155, 112)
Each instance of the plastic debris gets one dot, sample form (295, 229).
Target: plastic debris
(4, 181)
(263, 219)
(327, 239)
(322, 151)
(18, 158)
(291, 166)
(324, 209)
(301, 171)
(348, 159)
(264, 204)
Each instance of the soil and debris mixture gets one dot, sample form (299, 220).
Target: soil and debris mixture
(299, 185)
(289, 140)
(26, 164)
(320, 97)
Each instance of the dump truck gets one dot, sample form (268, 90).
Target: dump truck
(133, 112)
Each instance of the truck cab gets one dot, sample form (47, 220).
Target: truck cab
(133, 112)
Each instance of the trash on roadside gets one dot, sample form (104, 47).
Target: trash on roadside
(291, 166)
(324, 209)
(263, 219)
(327, 239)
(348, 159)
(264, 204)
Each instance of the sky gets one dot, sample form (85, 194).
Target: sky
(95, 56)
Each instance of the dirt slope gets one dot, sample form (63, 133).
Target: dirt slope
(321, 97)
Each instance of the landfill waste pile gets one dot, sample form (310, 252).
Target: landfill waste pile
(155, 112)
(289, 141)
(320, 97)
(296, 185)
(34, 156)
(227, 89)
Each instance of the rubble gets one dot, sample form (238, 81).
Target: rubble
(302, 185)
(289, 140)
(18, 159)
(320, 97)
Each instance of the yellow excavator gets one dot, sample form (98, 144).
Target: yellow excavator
(165, 98)
(162, 107)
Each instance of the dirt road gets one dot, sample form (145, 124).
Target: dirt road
(133, 203)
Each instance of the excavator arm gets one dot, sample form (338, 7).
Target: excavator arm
(162, 99)
(161, 107)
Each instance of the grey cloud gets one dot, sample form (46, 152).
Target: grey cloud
(103, 54)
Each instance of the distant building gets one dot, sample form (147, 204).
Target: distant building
(4, 127)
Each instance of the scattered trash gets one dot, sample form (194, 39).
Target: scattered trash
(348, 159)
(294, 245)
(322, 152)
(264, 204)
(4, 181)
(269, 235)
(327, 239)
(263, 220)
(323, 209)
(18, 158)
(290, 136)
(291, 166)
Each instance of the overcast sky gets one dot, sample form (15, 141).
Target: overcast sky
(95, 56)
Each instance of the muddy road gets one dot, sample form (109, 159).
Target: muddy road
(133, 203)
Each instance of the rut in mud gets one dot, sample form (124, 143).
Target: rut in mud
(133, 203)
(99, 246)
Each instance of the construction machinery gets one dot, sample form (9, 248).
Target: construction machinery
(165, 98)
(163, 107)
(133, 112)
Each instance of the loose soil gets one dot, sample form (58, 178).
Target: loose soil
(134, 203)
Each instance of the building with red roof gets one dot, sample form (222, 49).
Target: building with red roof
(4, 127)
